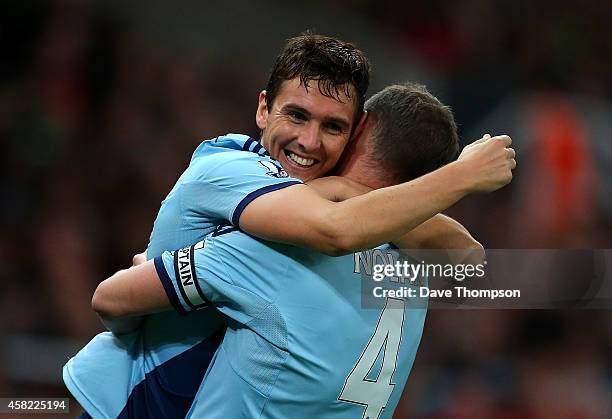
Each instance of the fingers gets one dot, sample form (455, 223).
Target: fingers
(511, 155)
(483, 139)
(504, 139)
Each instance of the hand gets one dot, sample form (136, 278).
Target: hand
(139, 258)
(489, 163)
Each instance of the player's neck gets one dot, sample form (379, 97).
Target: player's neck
(357, 165)
(367, 180)
(364, 172)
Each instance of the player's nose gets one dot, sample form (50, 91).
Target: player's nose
(309, 139)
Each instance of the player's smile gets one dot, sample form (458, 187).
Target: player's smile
(300, 161)
(299, 165)
(305, 130)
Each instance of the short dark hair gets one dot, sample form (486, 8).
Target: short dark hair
(414, 133)
(333, 63)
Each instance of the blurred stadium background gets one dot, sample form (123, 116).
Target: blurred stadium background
(102, 104)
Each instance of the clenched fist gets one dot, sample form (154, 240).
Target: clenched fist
(488, 163)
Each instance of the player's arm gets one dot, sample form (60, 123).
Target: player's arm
(297, 215)
(439, 232)
(129, 293)
(186, 280)
(443, 232)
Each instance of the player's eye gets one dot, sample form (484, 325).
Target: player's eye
(333, 128)
(297, 116)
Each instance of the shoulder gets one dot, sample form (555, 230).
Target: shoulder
(231, 164)
(225, 143)
(234, 163)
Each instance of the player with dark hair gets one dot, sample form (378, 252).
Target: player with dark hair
(298, 342)
(333, 65)
(417, 114)
(413, 134)
(234, 181)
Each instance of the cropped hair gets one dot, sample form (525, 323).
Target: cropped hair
(414, 133)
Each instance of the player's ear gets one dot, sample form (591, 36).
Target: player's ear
(261, 116)
(360, 126)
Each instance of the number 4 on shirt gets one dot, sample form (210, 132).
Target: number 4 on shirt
(374, 394)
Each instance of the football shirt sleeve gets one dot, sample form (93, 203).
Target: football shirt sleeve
(197, 276)
(230, 181)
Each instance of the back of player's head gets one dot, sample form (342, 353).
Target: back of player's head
(333, 64)
(414, 133)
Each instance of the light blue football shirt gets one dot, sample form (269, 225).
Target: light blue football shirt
(299, 343)
(156, 371)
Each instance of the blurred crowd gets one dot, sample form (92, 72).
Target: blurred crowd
(97, 121)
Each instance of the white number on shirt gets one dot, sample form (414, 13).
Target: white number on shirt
(387, 338)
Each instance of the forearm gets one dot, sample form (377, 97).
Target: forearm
(439, 232)
(385, 214)
(117, 325)
(443, 233)
(129, 293)
(388, 213)
(109, 301)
